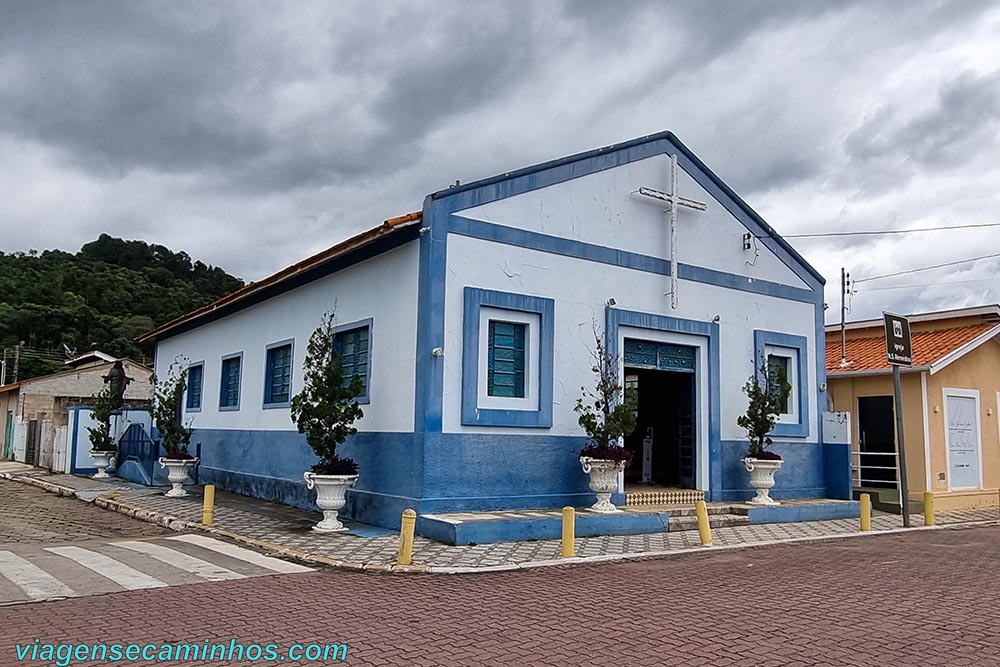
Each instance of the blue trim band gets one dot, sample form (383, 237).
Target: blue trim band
(762, 339)
(472, 414)
(558, 245)
(615, 318)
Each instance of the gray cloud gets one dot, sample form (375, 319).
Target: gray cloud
(198, 125)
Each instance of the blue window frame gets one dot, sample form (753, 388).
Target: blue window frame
(278, 375)
(195, 384)
(498, 393)
(229, 384)
(353, 342)
(788, 353)
(505, 375)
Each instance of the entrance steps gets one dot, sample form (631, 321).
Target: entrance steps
(719, 516)
(482, 527)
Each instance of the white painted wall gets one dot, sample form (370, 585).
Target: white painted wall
(383, 288)
(600, 208)
(580, 290)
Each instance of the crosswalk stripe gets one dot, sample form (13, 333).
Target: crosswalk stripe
(107, 567)
(36, 583)
(180, 560)
(274, 564)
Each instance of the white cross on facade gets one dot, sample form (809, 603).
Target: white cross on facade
(672, 201)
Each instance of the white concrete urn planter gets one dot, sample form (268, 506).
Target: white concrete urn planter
(762, 479)
(102, 461)
(178, 471)
(331, 495)
(603, 481)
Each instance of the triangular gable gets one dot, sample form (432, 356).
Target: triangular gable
(511, 184)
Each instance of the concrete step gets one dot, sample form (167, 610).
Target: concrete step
(689, 510)
(714, 520)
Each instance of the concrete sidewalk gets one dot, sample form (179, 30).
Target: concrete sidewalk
(287, 531)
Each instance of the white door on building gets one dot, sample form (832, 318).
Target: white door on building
(962, 423)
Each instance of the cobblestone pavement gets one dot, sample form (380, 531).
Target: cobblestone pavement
(290, 528)
(54, 547)
(30, 515)
(902, 599)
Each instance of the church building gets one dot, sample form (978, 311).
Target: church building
(472, 324)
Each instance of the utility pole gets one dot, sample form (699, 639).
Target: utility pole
(17, 358)
(845, 286)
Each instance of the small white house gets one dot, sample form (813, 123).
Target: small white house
(472, 324)
(46, 418)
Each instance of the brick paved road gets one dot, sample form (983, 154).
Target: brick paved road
(52, 547)
(923, 598)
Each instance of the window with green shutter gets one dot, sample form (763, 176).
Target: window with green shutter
(505, 370)
(229, 386)
(278, 375)
(353, 345)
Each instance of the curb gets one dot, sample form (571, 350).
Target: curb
(177, 524)
(57, 489)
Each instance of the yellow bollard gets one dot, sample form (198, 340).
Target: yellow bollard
(928, 508)
(866, 512)
(568, 532)
(208, 505)
(406, 537)
(704, 528)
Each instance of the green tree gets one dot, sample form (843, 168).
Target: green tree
(165, 407)
(326, 408)
(767, 392)
(102, 407)
(604, 417)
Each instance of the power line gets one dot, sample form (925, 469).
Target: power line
(927, 268)
(880, 232)
(950, 282)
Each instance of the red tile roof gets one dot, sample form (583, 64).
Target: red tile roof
(868, 354)
(364, 238)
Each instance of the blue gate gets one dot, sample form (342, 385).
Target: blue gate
(137, 454)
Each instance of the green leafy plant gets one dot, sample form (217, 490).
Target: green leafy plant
(603, 416)
(102, 408)
(326, 408)
(165, 406)
(767, 391)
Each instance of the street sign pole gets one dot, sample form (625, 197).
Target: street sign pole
(899, 352)
(897, 388)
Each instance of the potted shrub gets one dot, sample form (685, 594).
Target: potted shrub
(605, 419)
(103, 448)
(325, 411)
(767, 392)
(174, 435)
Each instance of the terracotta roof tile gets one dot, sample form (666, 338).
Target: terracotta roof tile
(868, 354)
(320, 258)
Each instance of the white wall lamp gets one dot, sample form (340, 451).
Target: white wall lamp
(437, 352)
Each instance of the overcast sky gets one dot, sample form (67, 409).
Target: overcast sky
(251, 134)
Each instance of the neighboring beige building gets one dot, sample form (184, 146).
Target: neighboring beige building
(950, 403)
(38, 410)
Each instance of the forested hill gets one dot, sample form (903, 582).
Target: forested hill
(100, 298)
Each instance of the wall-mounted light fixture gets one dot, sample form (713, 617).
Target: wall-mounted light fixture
(437, 352)
(611, 302)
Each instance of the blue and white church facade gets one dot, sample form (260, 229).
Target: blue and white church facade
(472, 324)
